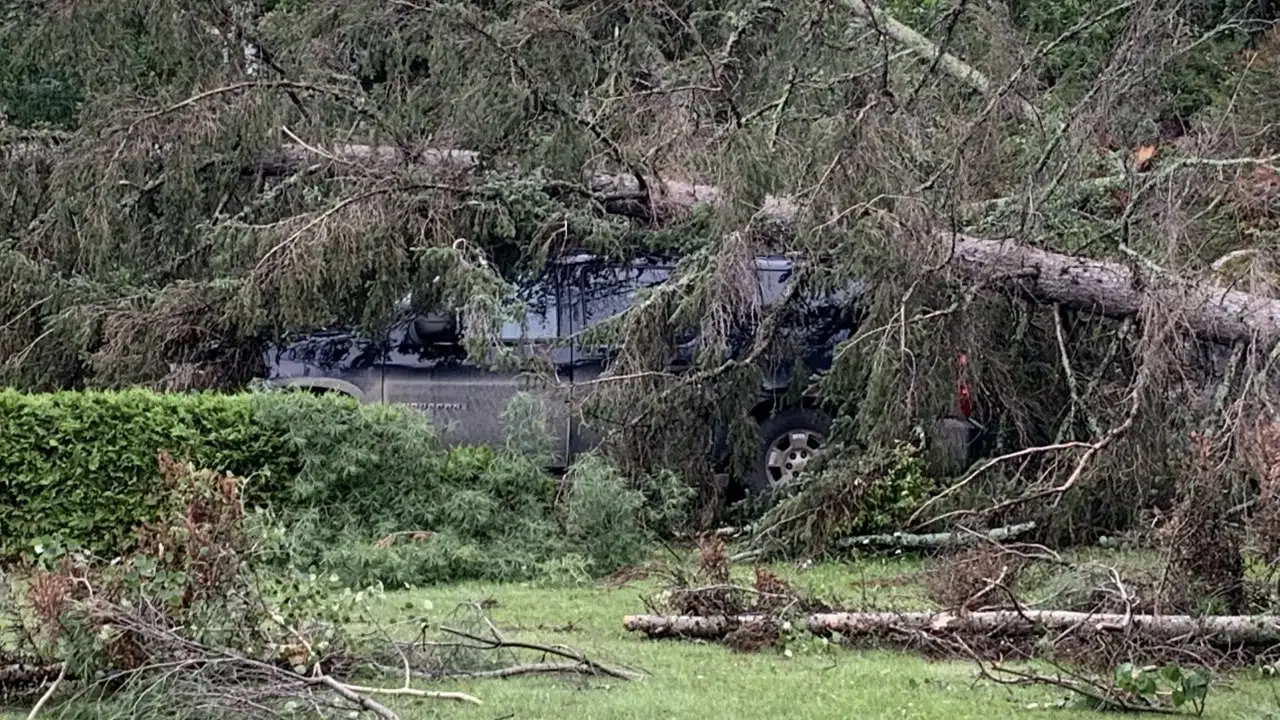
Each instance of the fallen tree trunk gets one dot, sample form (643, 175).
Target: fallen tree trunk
(1220, 630)
(935, 540)
(1094, 286)
(1113, 289)
(1107, 288)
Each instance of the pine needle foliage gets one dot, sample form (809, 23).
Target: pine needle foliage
(180, 183)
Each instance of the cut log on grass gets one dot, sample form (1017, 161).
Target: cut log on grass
(687, 626)
(936, 540)
(1212, 629)
(1219, 630)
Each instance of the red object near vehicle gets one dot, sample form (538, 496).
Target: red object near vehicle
(962, 387)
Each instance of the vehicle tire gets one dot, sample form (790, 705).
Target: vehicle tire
(788, 441)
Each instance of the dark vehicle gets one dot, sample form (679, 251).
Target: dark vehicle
(420, 362)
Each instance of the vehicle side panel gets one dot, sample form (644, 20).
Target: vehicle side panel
(467, 401)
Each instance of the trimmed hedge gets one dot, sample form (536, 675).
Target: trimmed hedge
(80, 468)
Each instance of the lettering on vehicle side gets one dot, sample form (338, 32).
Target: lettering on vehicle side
(436, 406)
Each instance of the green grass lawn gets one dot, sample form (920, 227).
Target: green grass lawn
(706, 681)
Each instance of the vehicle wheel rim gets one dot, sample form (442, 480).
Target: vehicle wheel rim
(789, 454)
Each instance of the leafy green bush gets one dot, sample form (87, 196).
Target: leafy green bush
(603, 515)
(80, 468)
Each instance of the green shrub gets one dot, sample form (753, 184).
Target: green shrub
(80, 468)
(419, 515)
(603, 517)
(386, 505)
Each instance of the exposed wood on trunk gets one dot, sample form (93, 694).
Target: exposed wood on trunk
(1220, 630)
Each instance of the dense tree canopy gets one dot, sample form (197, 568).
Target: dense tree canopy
(181, 182)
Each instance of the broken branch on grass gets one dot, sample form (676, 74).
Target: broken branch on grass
(352, 696)
(1101, 696)
(407, 692)
(540, 668)
(53, 688)
(936, 540)
(557, 650)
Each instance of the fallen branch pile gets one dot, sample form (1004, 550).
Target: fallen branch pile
(186, 627)
(1087, 613)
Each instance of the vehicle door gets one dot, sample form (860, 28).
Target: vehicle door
(467, 400)
(604, 290)
(809, 329)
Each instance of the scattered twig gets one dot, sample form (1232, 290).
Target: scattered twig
(558, 651)
(406, 691)
(351, 695)
(53, 688)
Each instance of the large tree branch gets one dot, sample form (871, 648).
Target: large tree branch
(926, 49)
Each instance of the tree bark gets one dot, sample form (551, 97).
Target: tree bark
(687, 626)
(1113, 289)
(1216, 630)
(1221, 630)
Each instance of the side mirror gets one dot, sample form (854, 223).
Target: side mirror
(433, 327)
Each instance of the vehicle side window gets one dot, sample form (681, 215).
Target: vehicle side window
(773, 283)
(542, 321)
(329, 351)
(413, 341)
(611, 289)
